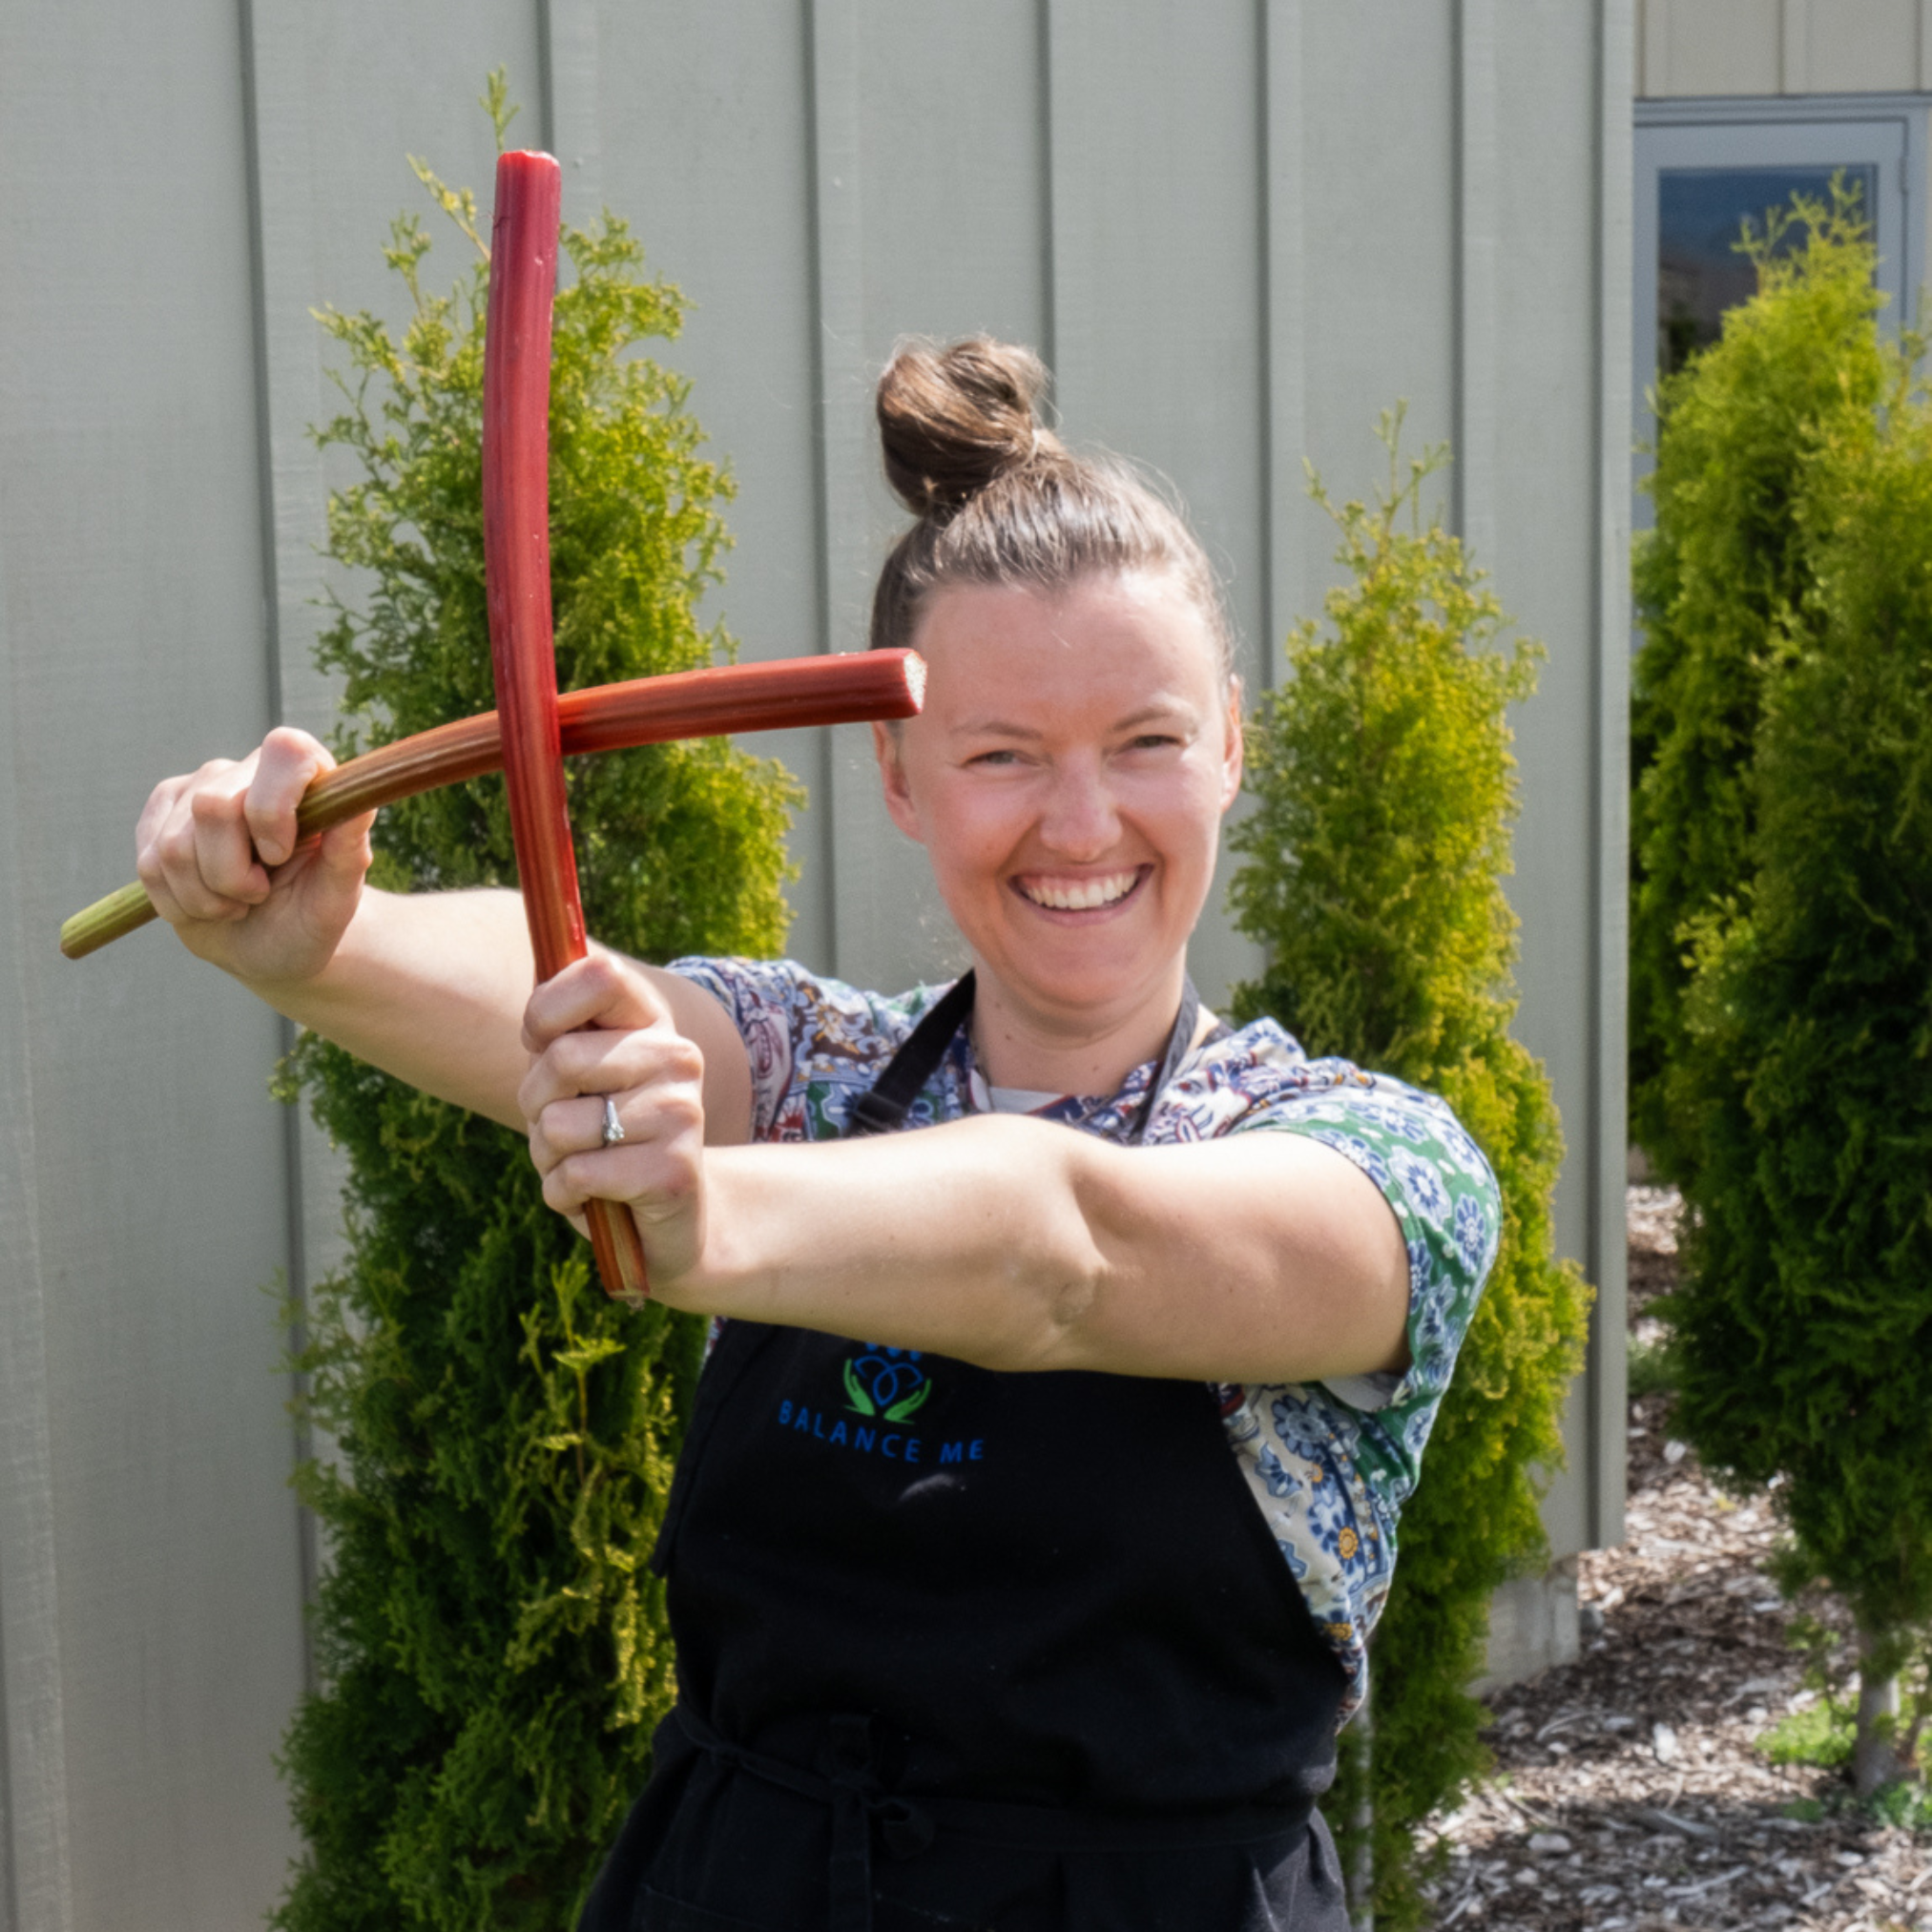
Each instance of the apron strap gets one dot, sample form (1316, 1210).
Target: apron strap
(883, 1110)
(850, 1783)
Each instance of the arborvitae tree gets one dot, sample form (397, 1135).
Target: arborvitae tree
(1804, 1322)
(1384, 788)
(1719, 580)
(491, 1649)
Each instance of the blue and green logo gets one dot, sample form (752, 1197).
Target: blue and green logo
(887, 1382)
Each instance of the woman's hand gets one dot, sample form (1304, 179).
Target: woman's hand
(216, 850)
(601, 1029)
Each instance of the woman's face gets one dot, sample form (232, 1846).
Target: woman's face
(1068, 778)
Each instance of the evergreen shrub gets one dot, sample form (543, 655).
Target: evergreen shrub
(1719, 581)
(1804, 1321)
(491, 1649)
(1384, 787)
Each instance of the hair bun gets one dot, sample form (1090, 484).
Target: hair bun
(951, 420)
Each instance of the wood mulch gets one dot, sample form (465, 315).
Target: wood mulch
(1627, 1794)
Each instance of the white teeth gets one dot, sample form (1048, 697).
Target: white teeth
(1081, 895)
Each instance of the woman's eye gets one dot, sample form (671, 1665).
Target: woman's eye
(994, 757)
(1153, 740)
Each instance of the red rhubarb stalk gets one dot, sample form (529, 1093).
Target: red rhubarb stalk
(516, 553)
(789, 693)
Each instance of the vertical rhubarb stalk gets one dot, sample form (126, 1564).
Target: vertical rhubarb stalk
(516, 550)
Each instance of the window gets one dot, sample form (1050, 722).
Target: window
(1704, 166)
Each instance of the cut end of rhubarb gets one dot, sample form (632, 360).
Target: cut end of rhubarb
(915, 679)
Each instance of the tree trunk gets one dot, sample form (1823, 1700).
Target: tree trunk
(1875, 1753)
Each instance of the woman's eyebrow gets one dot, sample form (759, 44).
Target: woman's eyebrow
(1162, 710)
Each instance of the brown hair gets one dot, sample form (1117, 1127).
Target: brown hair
(1000, 500)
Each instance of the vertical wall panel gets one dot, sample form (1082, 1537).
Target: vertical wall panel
(1696, 47)
(705, 120)
(571, 58)
(860, 852)
(35, 1870)
(950, 156)
(1604, 1394)
(1543, 433)
(1478, 238)
(156, 1567)
(1290, 520)
(1379, 228)
(1860, 46)
(1160, 291)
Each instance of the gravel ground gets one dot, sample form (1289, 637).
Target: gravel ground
(1628, 1792)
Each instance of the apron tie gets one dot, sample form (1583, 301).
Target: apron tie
(851, 1785)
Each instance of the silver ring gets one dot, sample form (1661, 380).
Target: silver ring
(613, 1127)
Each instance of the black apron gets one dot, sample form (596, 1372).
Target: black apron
(972, 1649)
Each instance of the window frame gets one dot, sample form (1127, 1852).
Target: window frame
(1782, 131)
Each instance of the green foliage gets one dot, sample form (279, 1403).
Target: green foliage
(1805, 1318)
(1821, 1734)
(1903, 1806)
(1652, 1368)
(1383, 789)
(1719, 581)
(493, 1650)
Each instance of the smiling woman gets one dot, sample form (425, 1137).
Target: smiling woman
(1044, 1483)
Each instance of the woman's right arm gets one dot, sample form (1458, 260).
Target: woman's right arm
(429, 986)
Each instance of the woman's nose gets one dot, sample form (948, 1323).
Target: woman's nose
(1080, 822)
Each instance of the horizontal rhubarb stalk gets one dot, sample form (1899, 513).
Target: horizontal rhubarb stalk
(792, 691)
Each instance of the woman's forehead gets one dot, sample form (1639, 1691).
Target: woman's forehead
(1116, 630)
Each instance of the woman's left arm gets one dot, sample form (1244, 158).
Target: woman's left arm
(1258, 1257)
(1014, 1243)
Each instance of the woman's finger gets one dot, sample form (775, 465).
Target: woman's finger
(195, 849)
(224, 853)
(165, 856)
(645, 1075)
(602, 1060)
(657, 1179)
(288, 762)
(599, 992)
(577, 1126)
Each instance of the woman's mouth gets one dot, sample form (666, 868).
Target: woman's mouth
(1062, 892)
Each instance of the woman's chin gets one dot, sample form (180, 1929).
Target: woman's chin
(1095, 968)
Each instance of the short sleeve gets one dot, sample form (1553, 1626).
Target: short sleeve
(766, 1001)
(1444, 1199)
(815, 1044)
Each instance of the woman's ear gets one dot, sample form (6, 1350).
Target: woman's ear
(888, 746)
(1235, 755)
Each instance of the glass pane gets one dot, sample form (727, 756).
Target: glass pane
(1702, 213)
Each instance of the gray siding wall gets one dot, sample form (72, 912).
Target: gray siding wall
(1238, 229)
(1793, 47)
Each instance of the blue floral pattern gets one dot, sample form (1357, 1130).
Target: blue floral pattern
(1330, 1468)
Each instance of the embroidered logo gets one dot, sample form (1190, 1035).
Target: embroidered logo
(887, 1382)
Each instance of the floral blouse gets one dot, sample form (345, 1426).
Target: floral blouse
(1330, 1465)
